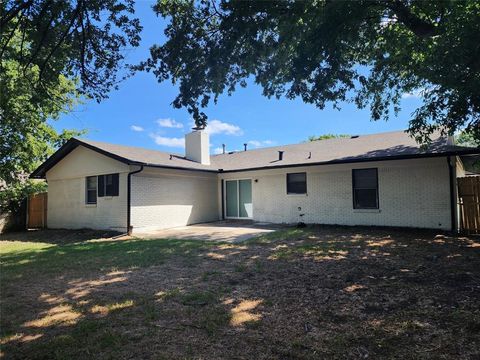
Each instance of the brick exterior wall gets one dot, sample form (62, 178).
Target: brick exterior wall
(412, 193)
(66, 193)
(168, 198)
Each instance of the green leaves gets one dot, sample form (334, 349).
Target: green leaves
(26, 138)
(327, 136)
(80, 39)
(54, 54)
(366, 52)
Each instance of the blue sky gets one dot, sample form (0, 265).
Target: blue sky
(140, 112)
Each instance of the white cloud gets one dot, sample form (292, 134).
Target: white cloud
(261, 143)
(416, 94)
(219, 127)
(218, 150)
(136, 128)
(169, 123)
(385, 21)
(167, 141)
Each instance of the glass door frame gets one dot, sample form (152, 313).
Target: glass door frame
(238, 198)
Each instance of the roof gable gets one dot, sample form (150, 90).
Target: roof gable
(82, 161)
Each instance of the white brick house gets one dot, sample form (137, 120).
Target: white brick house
(379, 180)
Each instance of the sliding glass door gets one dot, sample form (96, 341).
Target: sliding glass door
(238, 199)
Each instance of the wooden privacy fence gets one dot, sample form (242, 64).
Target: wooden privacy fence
(37, 211)
(469, 198)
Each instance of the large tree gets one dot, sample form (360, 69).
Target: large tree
(26, 135)
(82, 39)
(368, 52)
(53, 53)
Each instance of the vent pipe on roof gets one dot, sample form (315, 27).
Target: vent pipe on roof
(245, 147)
(309, 155)
(280, 155)
(224, 148)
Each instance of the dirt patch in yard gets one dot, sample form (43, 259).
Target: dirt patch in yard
(322, 292)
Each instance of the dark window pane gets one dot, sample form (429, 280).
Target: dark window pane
(91, 196)
(366, 199)
(365, 178)
(365, 188)
(109, 185)
(115, 184)
(297, 183)
(101, 185)
(300, 177)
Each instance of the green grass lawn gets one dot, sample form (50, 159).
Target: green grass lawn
(318, 292)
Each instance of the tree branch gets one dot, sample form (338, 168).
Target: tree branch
(42, 39)
(418, 26)
(10, 36)
(62, 39)
(14, 12)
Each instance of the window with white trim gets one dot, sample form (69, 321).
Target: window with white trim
(91, 190)
(365, 188)
(297, 183)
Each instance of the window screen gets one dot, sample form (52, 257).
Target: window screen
(365, 188)
(108, 185)
(297, 183)
(91, 190)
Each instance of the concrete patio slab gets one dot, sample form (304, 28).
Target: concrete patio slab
(229, 231)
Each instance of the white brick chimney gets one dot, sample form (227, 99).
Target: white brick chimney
(197, 147)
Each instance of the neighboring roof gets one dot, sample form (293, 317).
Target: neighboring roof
(384, 146)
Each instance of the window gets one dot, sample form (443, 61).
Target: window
(365, 188)
(91, 190)
(108, 185)
(109, 189)
(297, 183)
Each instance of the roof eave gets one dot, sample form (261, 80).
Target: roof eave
(64, 150)
(359, 160)
(178, 168)
(71, 144)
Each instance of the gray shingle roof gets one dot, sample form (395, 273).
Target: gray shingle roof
(146, 156)
(384, 146)
(365, 147)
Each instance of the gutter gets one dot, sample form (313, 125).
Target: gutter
(453, 202)
(39, 173)
(355, 161)
(129, 199)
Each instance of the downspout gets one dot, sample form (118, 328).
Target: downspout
(453, 201)
(129, 198)
(223, 200)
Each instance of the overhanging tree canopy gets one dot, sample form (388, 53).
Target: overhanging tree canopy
(82, 39)
(53, 53)
(366, 52)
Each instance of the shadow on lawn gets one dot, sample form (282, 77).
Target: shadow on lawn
(297, 293)
(58, 236)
